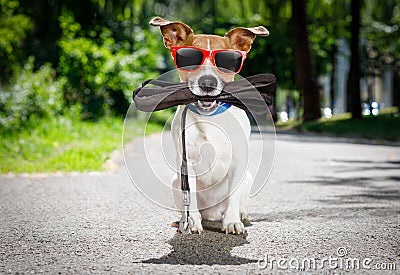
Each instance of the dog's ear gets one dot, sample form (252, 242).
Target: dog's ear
(242, 38)
(174, 33)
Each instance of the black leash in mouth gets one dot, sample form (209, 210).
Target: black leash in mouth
(253, 93)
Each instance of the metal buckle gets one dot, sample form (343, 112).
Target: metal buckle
(186, 223)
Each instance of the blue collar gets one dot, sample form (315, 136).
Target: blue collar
(222, 107)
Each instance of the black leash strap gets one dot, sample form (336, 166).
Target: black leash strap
(186, 222)
(252, 93)
(184, 169)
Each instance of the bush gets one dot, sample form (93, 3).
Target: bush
(100, 72)
(29, 97)
(14, 29)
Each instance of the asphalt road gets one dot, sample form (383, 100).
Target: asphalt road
(327, 201)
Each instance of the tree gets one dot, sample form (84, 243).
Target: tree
(353, 83)
(305, 77)
(380, 27)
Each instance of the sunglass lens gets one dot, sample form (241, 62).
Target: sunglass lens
(228, 61)
(188, 59)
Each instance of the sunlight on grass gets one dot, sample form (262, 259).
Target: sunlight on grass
(384, 126)
(62, 144)
(372, 127)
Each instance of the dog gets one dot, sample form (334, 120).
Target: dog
(217, 135)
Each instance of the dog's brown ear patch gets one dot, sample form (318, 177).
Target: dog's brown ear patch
(242, 38)
(174, 33)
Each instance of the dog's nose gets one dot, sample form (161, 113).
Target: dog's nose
(208, 83)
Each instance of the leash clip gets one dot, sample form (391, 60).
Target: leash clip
(186, 223)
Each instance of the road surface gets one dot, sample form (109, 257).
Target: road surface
(330, 206)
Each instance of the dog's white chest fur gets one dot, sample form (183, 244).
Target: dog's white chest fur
(209, 153)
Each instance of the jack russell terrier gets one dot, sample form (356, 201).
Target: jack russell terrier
(217, 134)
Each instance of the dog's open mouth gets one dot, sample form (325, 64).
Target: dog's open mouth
(206, 107)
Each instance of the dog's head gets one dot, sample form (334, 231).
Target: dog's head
(209, 78)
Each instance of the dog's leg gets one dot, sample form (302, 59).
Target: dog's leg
(231, 223)
(245, 195)
(193, 214)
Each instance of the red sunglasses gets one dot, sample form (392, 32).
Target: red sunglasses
(189, 59)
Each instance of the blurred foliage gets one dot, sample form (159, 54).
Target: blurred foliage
(91, 54)
(380, 30)
(31, 95)
(98, 55)
(13, 30)
(100, 70)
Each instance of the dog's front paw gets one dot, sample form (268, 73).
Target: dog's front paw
(233, 227)
(197, 226)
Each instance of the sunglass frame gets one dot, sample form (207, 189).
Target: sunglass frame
(207, 54)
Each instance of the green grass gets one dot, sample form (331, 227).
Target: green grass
(64, 144)
(385, 126)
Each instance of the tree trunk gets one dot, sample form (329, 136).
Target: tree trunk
(353, 83)
(396, 89)
(333, 78)
(303, 63)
